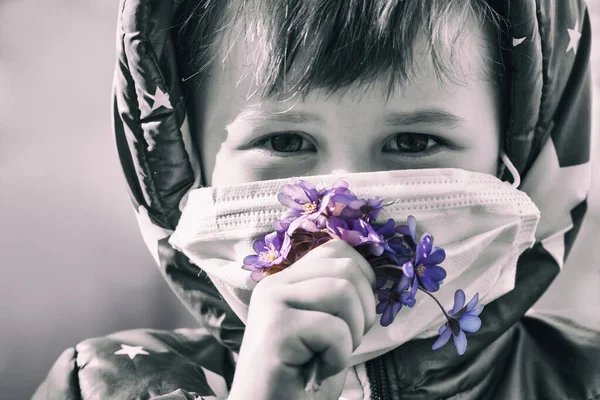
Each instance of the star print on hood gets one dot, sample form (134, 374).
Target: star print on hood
(547, 138)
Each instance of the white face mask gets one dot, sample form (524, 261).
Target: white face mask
(484, 224)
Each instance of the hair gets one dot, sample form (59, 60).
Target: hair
(350, 42)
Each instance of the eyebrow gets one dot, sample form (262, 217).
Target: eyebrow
(293, 117)
(433, 115)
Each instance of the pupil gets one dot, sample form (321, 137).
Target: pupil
(412, 142)
(286, 143)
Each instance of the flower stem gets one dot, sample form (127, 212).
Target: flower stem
(436, 300)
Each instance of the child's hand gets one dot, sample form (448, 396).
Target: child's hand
(322, 305)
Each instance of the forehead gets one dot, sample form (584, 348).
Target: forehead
(470, 60)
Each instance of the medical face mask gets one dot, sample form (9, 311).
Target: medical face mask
(483, 224)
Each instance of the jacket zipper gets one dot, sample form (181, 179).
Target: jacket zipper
(378, 379)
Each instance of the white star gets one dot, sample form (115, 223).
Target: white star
(555, 209)
(574, 36)
(132, 351)
(160, 99)
(516, 42)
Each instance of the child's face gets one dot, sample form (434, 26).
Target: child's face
(426, 124)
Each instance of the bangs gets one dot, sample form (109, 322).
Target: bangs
(301, 45)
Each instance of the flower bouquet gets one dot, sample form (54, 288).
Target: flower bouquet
(403, 264)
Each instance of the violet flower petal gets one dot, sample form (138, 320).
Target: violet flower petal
(353, 238)
(297, 193)
(259, 245)
(412, 226)
(408, 299)
(289, 202)
(403, 230)
(436, 257)
(256, 276)
(443, 328)
(469, 323)
(251, 260)
(387, 230)
(296, 224)
(429, 284)
(443, 339)
(475, 312)
(471, 304)
(403, 283)
(460, 342)
(459, 301)
(309, 189)
(390, 313)
(408, 269)
(274, 239)
(423, 248)
(436, 272)
(334, 224)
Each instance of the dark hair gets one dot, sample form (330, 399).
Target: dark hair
(350, 41)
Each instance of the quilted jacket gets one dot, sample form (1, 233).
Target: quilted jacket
(514, 355)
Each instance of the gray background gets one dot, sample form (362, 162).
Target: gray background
(73, 263)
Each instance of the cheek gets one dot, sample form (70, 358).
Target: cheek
(234, 167)
(484, 155)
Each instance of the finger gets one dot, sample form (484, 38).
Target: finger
(345, 268)
(339, 249)
(305, 332)
(334, 296)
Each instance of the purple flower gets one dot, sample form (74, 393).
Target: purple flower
(461, 319)
(392, 300)
(305, 204)
(356, 232)
(339, 187)
(271, 251)
(386, 230)
(289, 218)
(409, 231)
(394, 245)
(347, 205)
(426, 269)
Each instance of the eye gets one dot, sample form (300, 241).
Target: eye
(409, 142)
(284, 143)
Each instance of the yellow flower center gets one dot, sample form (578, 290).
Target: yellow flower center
(420, 270)
(310, 208)
(271, 255)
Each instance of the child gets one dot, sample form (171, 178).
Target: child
(275, 89)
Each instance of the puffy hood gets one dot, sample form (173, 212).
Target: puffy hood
(548, 140)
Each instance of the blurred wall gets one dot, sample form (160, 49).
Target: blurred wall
(73, 263)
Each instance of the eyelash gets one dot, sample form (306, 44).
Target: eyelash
(438, 144)
(266, 139)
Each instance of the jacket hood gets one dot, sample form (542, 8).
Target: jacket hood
(547, 138)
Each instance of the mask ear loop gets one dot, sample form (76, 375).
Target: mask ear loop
(512, 169)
